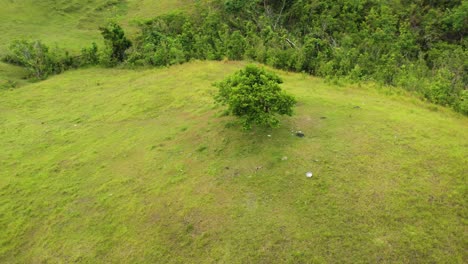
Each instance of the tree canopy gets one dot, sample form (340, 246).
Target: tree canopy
(254, 95)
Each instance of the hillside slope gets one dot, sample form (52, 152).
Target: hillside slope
(140, 167)
(74, 24)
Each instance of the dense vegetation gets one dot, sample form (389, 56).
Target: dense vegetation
(418, 45)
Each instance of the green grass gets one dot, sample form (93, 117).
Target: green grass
(12, 76)
(73, 24)
(145, 9)
(109, 165)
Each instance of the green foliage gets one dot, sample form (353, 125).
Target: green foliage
(164, 41)
(254, 95)
(237, 6)
(462, 102)
(439, 90)
(34, 56)
(236, 46)
(90, 56)
(39, 59)
(116, 42)
(42, 61)
(419, 46)
(169, 52)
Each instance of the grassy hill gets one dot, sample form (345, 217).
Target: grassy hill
(139, 166)
(109, 165)
(74, 24)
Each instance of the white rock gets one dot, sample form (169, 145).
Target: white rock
(309, 174)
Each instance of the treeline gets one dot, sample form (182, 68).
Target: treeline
(419, 45)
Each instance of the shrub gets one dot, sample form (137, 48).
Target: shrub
(462, 102)
(116, 42)
(236, 46)
(90, 56)
(254, 95)
(34, 56)
(61, 60)
(439, 91)
(39, 60)
(169, 52)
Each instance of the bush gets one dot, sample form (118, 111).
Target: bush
(90, 56)
(34, 56)
(169, 52)
(236, 46)
(462, 102)
(41, 61)
(62, 60)
(254, 95)
(439, 91)
(116, 42)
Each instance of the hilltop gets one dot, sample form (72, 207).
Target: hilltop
(140, 166)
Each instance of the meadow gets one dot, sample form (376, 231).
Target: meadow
(139, 165)
(74, 24)
(113, 165)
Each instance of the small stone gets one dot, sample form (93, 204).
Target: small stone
(300, 134)
(284, 158)
(309, 174)
(269, 135)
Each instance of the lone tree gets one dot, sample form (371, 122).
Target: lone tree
(115, 39)
(254, 95)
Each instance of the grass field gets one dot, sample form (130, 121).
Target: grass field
(12, 76)
(122, 166)
(140, 166)
(73, 24)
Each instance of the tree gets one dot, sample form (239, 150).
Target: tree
(115, 39)
(236, 46)
(254, 95)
